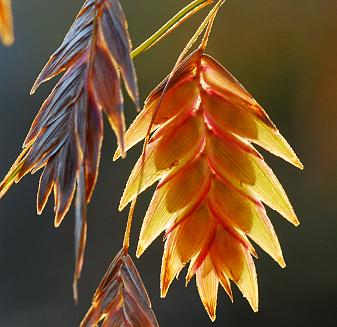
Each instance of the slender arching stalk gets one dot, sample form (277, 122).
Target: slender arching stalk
(171, 25)
(210, 24)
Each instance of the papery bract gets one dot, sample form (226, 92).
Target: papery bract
(212, 181)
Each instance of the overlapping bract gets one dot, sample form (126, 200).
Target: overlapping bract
(66, 136)
(6, 22)
(212, 180)
(121, 299)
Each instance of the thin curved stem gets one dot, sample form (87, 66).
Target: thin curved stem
(171, 25)
(210, 24)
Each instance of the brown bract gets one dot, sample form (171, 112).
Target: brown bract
(66, 136)
(6, 22)
(212, 181)
(121, 299)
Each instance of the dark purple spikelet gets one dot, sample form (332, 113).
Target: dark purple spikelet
(66, 136)
(121, 298)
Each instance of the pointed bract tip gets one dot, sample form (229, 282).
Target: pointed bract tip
(140, 250)
(163, 295)
(75, 291)
(122, 205)
(256, 307)
(211, 313)
(299, 164)
(189, 276)
(254, 304)
(296, 162)
(34, 87)
(294, 220)
(164, 291)
(121, 145)
(116, 155)
(281, 262)
(57, 222)
(253, 252)
(8, 41)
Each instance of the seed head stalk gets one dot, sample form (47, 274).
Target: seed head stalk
(171, 25)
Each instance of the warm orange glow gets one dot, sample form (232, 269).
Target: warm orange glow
(212, 181)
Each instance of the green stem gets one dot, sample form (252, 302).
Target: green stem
(173, 23)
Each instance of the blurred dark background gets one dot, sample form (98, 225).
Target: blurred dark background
(285, 53)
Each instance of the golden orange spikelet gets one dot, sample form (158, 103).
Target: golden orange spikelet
(212, 181)
(6, 22)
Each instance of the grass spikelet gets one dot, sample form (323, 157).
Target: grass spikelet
(213, 183)
(66, 136)
(121, 298)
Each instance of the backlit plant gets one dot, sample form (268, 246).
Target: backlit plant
(199, 127)
(6, 24)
